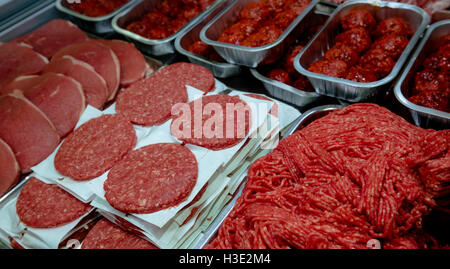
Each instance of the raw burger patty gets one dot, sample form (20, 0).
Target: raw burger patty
(60, 97)
(27, 130)
(193, 75)
(94, 86)
(208, 134)
(152, 178)
(18, 59)
(9, 168)
(43, 205)
(149, 101)
(95, 147)
(106, 235)
(99, 56)
(132, 63)
(53, 36)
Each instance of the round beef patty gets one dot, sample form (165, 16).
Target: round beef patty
(152, 178)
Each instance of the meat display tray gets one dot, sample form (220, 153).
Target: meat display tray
(249, 56)
(182, 43)
(349, 90)
(157, 47)
(99, 25)
(423, 116)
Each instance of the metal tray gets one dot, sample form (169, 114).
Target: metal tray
(249, 56)
(349, 90)
(286, 92)
(98, 25)
(182, 42)
(310, 116)
(423, 116)
(301, 122)
(157, 47)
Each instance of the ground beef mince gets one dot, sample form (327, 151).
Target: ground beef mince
(357, 174)
(152, 178)
(42, 205)
(95, 147)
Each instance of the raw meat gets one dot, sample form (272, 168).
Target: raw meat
(99, 56)
(61, 98)
(215, 122)
(152, 178)
(94, 86)
(18, 59)
(149, 101)
(27, 130)
(132, 63)
(106, 235)
(53, 36)
(357, 174)
(9, 168)
(42, 205)
(95, 147)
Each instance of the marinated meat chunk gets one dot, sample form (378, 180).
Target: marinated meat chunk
(358, 18)
(359, 74)
(344, 52)
(289, 58)
(392, 44)
(357, 38)
(279, 75)
(263, 36)
(334, 68)
(394, 25)
(378, 62)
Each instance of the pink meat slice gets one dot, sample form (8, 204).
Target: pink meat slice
(26, 129)
(99, 56)
(18, 59)
(60, 97)
(132, 63)
(53, 36)
(9, 168)
(94, 86)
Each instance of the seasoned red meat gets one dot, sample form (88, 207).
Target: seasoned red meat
(378, 62)
(279, 75)
(289, 58)
(199, 48)
(302, 83)
(358, 18)
(358, 74)
(439, 60)
(395, 25)
(342, 51)
(283, 19)
(392, 44)
(430, 80)
(357, 38)
(435, 99)
(255, 11)
(334, 68)
(263, 36)
(236, 33)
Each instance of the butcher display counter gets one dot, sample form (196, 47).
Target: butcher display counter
(103, 147)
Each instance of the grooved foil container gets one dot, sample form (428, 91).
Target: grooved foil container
(98, 25)
(281, 90)
(182, 43)
(249, 56)
(348, 90)
(157, 47)
(423, 116)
